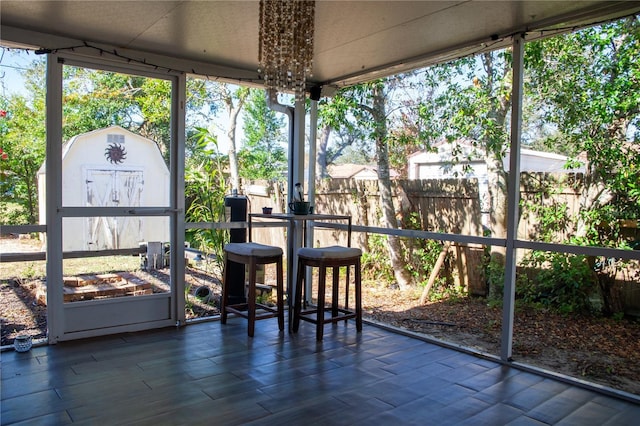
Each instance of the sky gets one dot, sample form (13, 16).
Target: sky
(13, 63)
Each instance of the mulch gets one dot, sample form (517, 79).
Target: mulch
(20, 313)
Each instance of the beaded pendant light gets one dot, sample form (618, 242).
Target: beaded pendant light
(285, 52)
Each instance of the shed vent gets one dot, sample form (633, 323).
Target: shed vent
(115, 138)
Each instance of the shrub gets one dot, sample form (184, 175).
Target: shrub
(12, 213)
(562, 282)
(375, 261)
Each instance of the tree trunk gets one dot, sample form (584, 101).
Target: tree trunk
(496, 175)
(497, 184)
(321, 172)
(28, 175)
(233, 111)
(594, 195)
(384, 186)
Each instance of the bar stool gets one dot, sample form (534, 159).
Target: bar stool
(322, 258)
(252, 254)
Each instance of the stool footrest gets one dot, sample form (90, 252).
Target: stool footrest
(242, 309)
(347, 314)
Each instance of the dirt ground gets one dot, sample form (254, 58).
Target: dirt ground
(600, 350)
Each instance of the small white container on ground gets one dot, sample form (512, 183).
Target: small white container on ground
(22, 343)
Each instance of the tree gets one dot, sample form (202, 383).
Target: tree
(22, 135)
(473, 105)
(587, 87)
(322, 155)
(367, 104)
(205, 189)
(333, 118)
(234, 100)
(96, 99)
(263, 155)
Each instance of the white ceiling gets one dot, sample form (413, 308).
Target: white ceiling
(355, 41)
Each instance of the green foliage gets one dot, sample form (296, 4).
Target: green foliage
(263, 155)
(494, 273)
(375, 261)
(473, 104)
(561, 281)
(12, 213)
(205, 189)
(564, 282)
(468, 110)
(29, 272)
(587, 91)
(618, 316)
(22, 136)
(95, 99)
(422, 256)
(349, 136)
(551, 215)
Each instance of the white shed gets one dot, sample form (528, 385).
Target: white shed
(438, 165)
(111, 167)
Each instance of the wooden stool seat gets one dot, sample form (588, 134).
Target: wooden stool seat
(333, 257)
(252, 255)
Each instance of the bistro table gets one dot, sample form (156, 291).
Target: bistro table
(296, 237)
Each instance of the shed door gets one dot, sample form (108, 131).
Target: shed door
(114, 188)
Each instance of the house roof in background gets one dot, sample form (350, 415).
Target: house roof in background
(347, 171)
(355, 171)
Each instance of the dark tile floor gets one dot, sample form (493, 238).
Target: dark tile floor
(210, 373)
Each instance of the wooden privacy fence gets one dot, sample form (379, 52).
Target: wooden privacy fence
(439, 205)
(450, 206)
(435, 205)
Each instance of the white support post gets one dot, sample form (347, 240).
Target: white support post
(311, 175)
(513, 200)
(298, 145)
(178, 112)
(296, 173)
(55, 300)
(311, 179)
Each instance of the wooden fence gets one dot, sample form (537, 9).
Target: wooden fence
(443, 205)
(436, 205)
(439, 205)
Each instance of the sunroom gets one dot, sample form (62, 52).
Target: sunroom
(219, 40)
